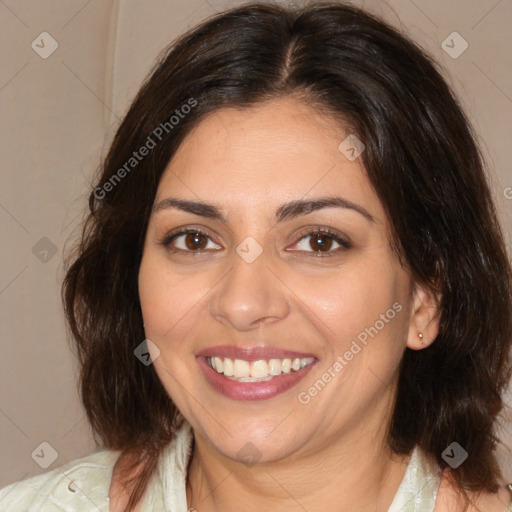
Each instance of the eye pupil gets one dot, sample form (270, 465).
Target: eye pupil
(323, 245)
(194, 244)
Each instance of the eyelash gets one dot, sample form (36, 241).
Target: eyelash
(166, 241)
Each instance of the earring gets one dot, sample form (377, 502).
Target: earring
(420, 336)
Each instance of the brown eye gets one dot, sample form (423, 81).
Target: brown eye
(321, 242)
(187, 241)
(195, 241)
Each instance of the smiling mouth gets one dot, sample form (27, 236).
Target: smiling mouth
(260, 370)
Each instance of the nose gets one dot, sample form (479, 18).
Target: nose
(250, 295)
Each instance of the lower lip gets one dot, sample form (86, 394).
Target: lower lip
(252, 390)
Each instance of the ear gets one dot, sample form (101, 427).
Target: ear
(424, 321)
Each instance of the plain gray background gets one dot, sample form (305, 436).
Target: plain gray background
(60, 112)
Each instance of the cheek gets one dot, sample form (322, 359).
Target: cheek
(160, 304)
(363, 302)
(151, 294)
(172, 304)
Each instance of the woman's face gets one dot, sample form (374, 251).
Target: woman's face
(262, 279)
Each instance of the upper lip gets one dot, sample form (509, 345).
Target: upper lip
(251, 353)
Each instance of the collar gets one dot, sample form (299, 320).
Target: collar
(417, 491)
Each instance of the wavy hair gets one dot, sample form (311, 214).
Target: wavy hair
(421, 158)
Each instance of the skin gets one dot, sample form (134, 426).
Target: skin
(329, 454)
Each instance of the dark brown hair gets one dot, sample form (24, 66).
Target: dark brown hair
(424, 163)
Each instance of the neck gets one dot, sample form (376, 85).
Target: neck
(353, 471)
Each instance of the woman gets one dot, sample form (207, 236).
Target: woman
(292, 290)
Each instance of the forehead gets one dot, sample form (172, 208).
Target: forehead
(275, 151)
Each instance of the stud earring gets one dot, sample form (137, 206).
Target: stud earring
(420, 336)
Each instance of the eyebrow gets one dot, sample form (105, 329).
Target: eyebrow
(286, 211)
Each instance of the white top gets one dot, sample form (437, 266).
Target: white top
(83, 484)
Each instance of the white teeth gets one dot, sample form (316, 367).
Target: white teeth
(229, 370)
(256, 371)
(259, 368)
(242, 368)
(274, 367)
(219, 365)
(251, 379)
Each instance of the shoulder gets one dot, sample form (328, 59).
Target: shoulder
(82, 484)
(448, 500)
